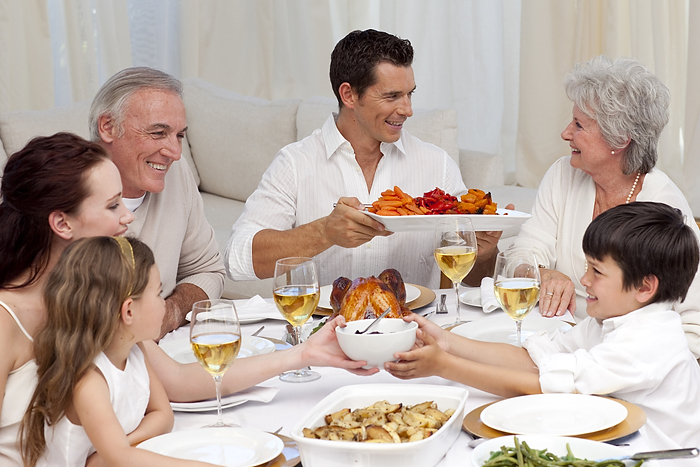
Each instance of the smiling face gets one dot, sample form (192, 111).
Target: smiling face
(606, 297)
(102, 212)
(153, 128)
(385, 106)
(589, 151)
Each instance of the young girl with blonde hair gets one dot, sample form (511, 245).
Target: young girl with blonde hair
(96, 391)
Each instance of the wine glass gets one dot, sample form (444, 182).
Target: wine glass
(516, 284)
(296, 294)
(455, 252)
(215, 336)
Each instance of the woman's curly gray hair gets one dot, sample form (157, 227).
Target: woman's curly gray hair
(627, 101)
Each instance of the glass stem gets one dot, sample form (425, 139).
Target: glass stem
(217, 383)
(296, 334)
(518, 328)
(459, 316)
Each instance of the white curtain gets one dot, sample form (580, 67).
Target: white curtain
(25, 56)
(556, 35)
(691, 161)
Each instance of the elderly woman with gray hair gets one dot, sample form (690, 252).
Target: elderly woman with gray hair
(620, 109)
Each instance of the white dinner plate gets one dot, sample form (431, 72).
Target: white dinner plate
(581, 448)
(232, 447)
(553, 414)
(471, 296)
(499, 327)
(181, 351)
(503, 219)
(412, 293)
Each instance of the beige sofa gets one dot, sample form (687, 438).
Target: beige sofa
(231, 140)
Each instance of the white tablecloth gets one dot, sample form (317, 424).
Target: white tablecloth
(294, 400)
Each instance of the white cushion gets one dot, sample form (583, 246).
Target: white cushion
(234, 138)
(17, 128)
(436, 126)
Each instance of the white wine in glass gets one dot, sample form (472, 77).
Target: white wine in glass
(215, 336)
(455, 252)
(516, 284)
(296, 293)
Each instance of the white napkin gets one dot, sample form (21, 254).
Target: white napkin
(256, 393)
(488, 298)
(256, 307)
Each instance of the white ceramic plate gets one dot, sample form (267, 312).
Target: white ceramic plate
(581, 448)
(181, 350)
(499, 327)
(471, 297)
(232, 447)
(503, 219)
(412, 293)
(554, 414)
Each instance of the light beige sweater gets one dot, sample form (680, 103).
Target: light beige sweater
(173, 225)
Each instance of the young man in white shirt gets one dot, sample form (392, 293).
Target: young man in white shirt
(358, 153)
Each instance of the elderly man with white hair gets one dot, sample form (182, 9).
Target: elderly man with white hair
(138, 116)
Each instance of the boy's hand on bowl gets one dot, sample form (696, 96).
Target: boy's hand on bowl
(425, 359)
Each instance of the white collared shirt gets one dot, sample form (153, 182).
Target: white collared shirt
(308, 176)
(641, 357)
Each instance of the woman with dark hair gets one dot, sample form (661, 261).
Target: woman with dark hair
(55, 190)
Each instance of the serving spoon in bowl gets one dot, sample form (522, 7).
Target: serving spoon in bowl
(386, 312)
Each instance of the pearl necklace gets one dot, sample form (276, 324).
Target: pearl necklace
(629, 198)
(634, 185)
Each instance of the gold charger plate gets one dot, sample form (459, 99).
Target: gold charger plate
(426, 296)
(289, 456)
(635, 420)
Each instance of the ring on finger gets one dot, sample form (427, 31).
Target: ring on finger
(549, 293)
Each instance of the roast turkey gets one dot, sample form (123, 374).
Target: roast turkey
(368, 297)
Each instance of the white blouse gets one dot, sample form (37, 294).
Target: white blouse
(564, 209)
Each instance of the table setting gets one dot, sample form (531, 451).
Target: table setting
(277, 406)
(296, 418)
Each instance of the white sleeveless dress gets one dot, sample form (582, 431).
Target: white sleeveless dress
(129, 390)
(18, 392)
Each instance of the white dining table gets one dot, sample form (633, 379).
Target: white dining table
(294, 400)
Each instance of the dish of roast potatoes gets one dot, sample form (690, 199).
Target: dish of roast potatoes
(382, 422)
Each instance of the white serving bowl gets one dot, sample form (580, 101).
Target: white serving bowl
(396, 336)
(424, 453)
(581, 448)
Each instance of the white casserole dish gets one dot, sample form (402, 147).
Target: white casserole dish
(424, 453)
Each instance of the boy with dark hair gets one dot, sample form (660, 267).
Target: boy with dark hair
(641, 257)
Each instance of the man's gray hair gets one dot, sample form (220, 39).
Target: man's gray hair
(113, 96)
(627, 101)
